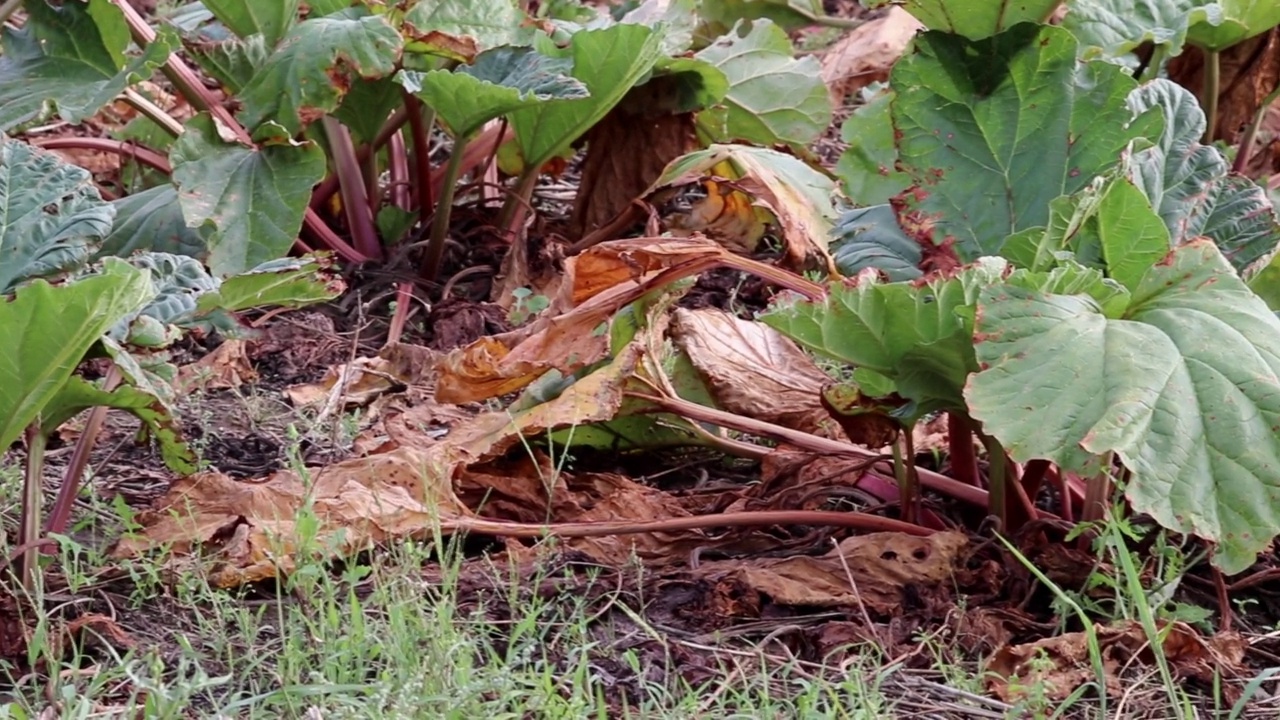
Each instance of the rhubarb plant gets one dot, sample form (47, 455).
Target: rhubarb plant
(1058, 260)
(356, 98)
(60, 308)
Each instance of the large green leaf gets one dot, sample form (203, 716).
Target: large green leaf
(70, 59)
(152, 220)
(78, 394)
(185, 296)
(253, 17)
(500, 81)
(308, 75)
(1241, 20)
(919, 335)
(1193, 186)
(1184, 388)
(1119, 26)
(868, 167)
(48, 329)
(992, 131)
(609, 62)
(287, 282)
(51, 215)
(972, 19)
(366, 106)
(253, 197)
(773, 97)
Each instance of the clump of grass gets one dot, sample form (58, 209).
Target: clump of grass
(381, 640)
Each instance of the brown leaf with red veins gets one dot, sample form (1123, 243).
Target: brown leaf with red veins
(613, 265)
(572, 332)
(867, 53)
(522, 491)
(753, 370)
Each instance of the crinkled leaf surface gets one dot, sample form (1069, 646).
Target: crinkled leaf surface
(316, 62)
(51, 215)
(992, 131)
(253, 197)
(500, 81)
(486, 23)
(253, 17)
(871, 238)
(918, 336)
(71, 59)
(974, 20)
(177, 282)
(152, 220)
(1192, 184)
(868, 167)
(1072, 278)
(231, 62)
(1119, 26)
(1184, 388)
(609, 62)
(680, 18)
(48, 329)
(773, 97)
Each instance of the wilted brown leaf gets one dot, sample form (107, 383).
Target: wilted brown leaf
(356, 504)
(776, 183)
(873, 570)
(753, 370)
(866, 53)
(462, 48)
(228, 366)
(567, 341)
(1013, 669)
(352, 384)
(616, 264)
